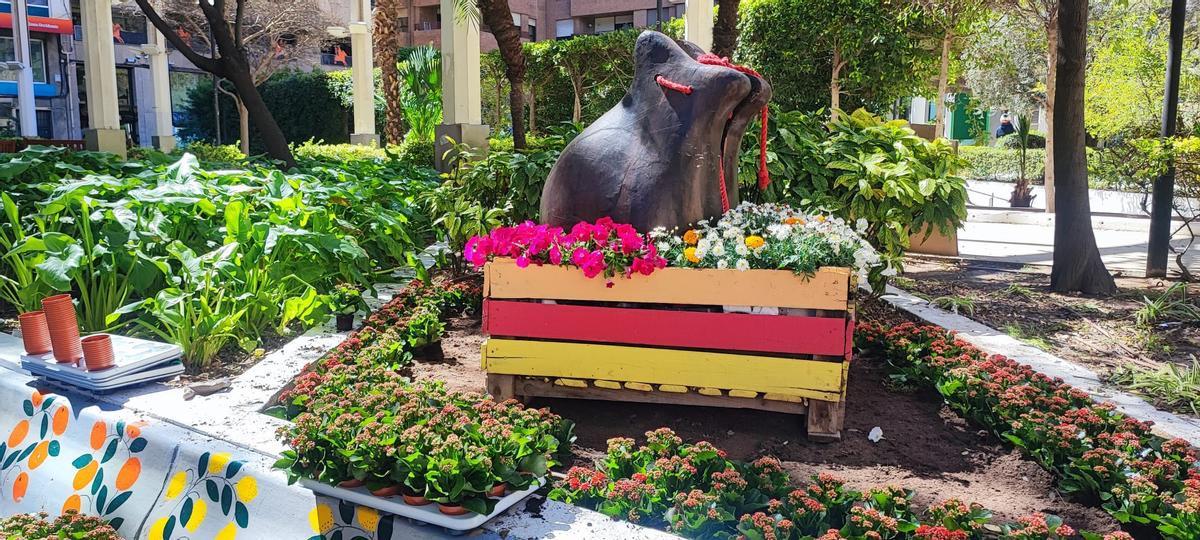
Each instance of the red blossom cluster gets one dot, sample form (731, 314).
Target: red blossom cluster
(604, 247)
(1096, 452)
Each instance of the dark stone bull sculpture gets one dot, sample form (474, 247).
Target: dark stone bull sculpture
(660, 157)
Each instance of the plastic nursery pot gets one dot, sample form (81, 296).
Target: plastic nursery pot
(412, 498)
(63, 328)
(452, 509)
(345, 322)
(386, 491)
(498, 490)
(351, 483)
(35, 333)
(97, 352)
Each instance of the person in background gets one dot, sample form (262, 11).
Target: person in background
(1006, 126)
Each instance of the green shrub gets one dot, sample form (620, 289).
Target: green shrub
(1037, 139)
(339, 153)
(417, 152)
(214, 153)
(862, 167)
(1002, 164)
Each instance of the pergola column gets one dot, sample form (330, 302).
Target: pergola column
(698, 23)
(100, 79)
(362, 73)
(26, 104)
(160, 79)
(462, 115)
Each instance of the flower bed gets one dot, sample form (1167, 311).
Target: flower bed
(357, 420)
(693, 490)
(1097, 454)
(70, 525)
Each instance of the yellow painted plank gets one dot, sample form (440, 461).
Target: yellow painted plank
(639, 386)
(639, 365)
(711, 391)
(674, 388)
(573, 383)
(828, 288)
(783, 397)
(743, 393)
(613, 385)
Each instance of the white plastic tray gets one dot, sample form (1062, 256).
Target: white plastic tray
(130, 355)
(166, 370)
(428, 513)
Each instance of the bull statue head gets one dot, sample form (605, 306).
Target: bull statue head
(660, 156)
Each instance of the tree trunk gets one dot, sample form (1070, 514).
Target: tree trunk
(1052, 37)
(725, 31)
(939, 123)
(387, 47)
(257, 111)
(498, 17)
(577, 106)
(243, 127)
(835, 84)
(532, 110)
(1077, 263)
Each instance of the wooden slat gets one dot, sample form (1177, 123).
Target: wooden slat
(666, 328)
(644, 366)
(828, 288)
(535, 387)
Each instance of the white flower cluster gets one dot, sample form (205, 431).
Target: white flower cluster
(770, 236)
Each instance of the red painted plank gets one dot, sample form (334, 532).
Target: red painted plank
(665, 328)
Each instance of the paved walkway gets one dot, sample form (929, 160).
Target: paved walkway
(1028, 238)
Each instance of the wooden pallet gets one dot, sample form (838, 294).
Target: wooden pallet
(664, 338)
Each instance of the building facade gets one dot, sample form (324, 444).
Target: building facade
(57, 52)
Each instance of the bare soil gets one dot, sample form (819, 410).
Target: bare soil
(926, 447)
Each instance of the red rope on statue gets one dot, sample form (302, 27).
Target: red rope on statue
(672, 85)
(764, 177)
(721, 176)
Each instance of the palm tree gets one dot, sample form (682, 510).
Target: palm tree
(387, 47)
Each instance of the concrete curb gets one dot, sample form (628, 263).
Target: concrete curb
(995, 342)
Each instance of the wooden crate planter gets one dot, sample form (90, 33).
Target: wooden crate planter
(665, 338)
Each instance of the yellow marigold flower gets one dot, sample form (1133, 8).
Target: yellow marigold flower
(821, 219)
(691, 237)
(690, 253)
(754, 241)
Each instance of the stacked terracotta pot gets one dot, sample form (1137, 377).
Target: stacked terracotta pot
(55, 328)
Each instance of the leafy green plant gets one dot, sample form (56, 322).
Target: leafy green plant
(1016, 290)
(956, 304)
(1176, 387)
(1172, 305)
(71, 525)
(422, 91)
(1022, 195)
(860, 166)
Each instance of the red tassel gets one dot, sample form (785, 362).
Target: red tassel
(672, 85)
(764, 177)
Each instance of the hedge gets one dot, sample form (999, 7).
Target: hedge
(1002, 164)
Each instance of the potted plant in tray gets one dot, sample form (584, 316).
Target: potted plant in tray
(459, 477)
(347, 299)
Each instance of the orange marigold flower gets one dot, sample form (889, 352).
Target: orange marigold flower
(690, 253)
(793, 221)
(755, 241)
(691, 237)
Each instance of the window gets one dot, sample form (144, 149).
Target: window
(622, 22)
(603, 25)
(517, 20)
(36, 8)
(533, 29)
(37, 53)
(564, 28)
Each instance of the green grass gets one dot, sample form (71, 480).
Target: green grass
(1016, 290)
(1174, 387)
(1027, 335)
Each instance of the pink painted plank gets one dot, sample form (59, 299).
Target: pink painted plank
(665, 328)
